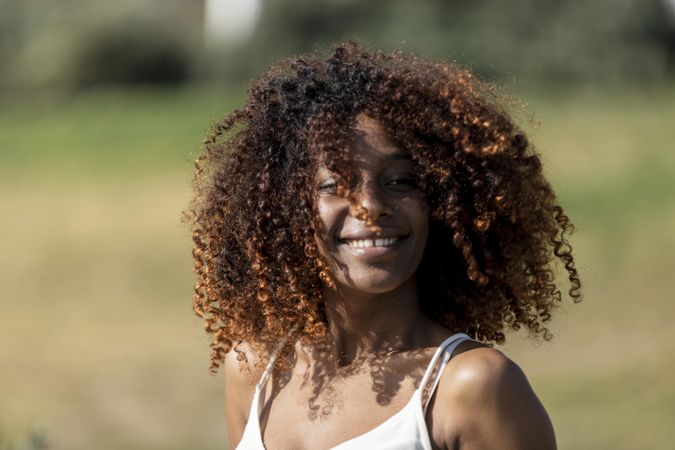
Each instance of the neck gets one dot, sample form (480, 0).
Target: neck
(362, 325)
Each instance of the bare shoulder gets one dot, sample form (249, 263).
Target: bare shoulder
(492, 403)
(240, 380)
(480, 371)
(241, 366)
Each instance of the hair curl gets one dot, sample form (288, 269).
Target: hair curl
(496, 228)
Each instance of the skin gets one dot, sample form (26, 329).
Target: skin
(483, 400)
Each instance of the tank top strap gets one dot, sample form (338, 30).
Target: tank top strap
(444, 353)
(273, 359)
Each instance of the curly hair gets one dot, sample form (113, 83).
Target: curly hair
(496, 233)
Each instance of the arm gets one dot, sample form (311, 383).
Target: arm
(499, 408)
(239, 389)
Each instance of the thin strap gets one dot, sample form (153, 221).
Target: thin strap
(446, 349)
(273, 359)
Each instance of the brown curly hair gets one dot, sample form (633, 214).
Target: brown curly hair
(496, 228)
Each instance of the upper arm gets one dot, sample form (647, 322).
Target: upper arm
(500, 409)
(239, 390)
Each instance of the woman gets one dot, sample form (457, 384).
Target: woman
(365, 228)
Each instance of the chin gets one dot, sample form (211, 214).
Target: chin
(373, 283)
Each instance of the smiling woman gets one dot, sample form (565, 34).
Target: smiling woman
(379, 258)
(365, 227)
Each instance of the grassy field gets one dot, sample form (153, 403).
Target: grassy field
(98, 345)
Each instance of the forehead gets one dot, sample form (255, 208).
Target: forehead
(370, 137)
(372, 146)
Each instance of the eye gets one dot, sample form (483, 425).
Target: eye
(328, 187)
(402, 182)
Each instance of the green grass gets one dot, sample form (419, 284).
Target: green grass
(108, 132)
(98, 345)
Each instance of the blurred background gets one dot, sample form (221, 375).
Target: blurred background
(103, 106)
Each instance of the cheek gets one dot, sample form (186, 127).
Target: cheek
(417, 211)
(325, 217)
(328, 216)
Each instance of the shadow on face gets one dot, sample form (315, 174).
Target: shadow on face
(379, 258)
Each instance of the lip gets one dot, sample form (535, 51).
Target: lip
(367, 234)
(373, 252)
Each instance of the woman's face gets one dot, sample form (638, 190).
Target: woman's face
(373, 260)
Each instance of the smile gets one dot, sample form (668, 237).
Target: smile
(372, 248)
(379, 242)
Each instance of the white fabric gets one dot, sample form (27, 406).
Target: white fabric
(405, 430)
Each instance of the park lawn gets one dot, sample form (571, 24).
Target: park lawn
(108, 132)
(98, 344)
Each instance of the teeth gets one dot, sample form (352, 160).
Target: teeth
(365, 243)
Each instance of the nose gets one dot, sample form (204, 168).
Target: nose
(372, 197)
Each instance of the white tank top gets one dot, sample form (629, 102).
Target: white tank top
(405, 430)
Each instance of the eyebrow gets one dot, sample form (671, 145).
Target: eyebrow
(399, 156)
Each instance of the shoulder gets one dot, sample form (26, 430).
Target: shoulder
(240, 381)
(241, 365)
(479, 372)
(492, 402)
